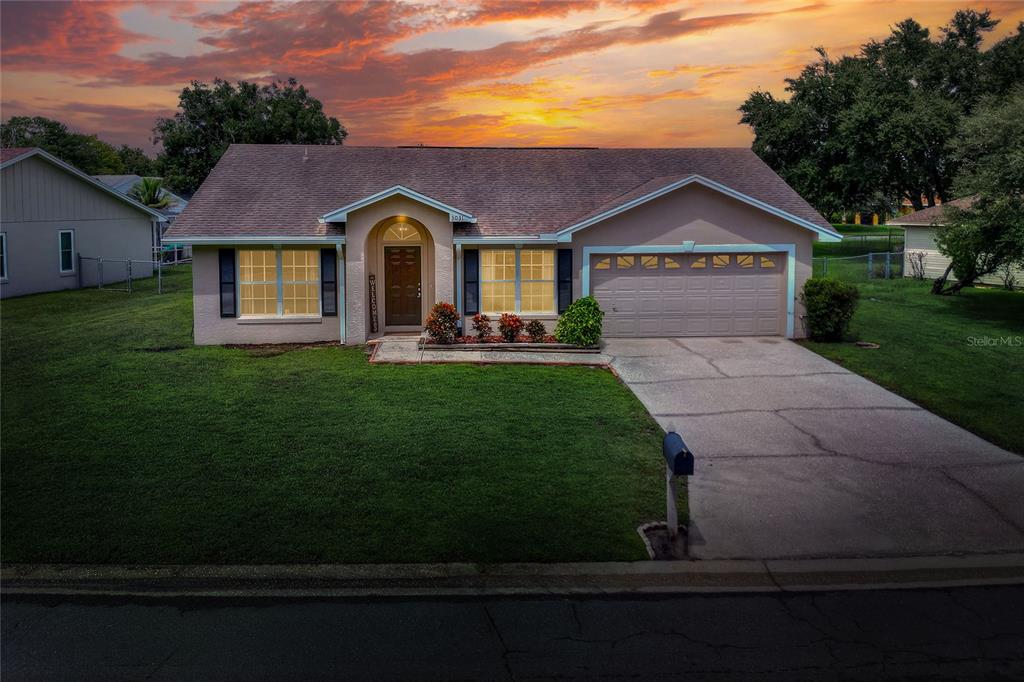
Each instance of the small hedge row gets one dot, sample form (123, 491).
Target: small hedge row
(580, 324)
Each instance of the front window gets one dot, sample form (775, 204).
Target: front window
(257, 277)
(67, 250)
(498, 280)
(265, 289)
(537, 278)
(301, 282)
(517, 281)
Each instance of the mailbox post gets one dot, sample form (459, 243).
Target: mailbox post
(678, 462)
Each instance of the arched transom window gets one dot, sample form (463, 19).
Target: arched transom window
(402, 232)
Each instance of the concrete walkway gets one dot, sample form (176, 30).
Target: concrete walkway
(798, 457)
(405, 350)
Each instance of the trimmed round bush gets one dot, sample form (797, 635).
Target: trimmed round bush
(829, 305)
(509, 326)
(443, 323)
(536, 331)
(581, 322)
(482, 326)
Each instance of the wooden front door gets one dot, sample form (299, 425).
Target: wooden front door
(403, 286)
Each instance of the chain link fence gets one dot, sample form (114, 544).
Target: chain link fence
(165, 274)
(862, 268)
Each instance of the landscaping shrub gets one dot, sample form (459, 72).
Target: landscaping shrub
(536, 331)
(443, 323)
(580, 323)
(509, 326)
(830, 305)
(482, 327)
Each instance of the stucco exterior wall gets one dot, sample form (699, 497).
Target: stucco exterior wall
(210, 328)
(704, 216)
(37, 201)
(362, 259)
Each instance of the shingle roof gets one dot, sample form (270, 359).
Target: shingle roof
(933, 215)
(8, 153)
(273, 190)
(124, 184)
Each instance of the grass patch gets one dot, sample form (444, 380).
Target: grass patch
(124, 443)
(927, 354)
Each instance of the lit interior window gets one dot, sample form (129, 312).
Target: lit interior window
(720, 261)
(699, 262)
(603, 264)
(767, 262)
(624, 262)
(257, 276)
(745, 261)
(649, 262)
(498, 280)
(671, 263)
(537, 281)
(301, 273)
(401, 232)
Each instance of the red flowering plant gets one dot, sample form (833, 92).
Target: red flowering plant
(443, 323)
(509, 326)
(482, 327)
(536, 331)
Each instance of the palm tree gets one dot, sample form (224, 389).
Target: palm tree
(148, 191)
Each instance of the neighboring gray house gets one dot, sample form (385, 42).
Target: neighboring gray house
(920, 247)
(51, 213)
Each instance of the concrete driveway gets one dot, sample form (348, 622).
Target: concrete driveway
(797, 457)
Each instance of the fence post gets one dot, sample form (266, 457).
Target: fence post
(888, 265)
(99, 268)
(824, 267)
(159, 276)
(128, 269)
(79, 271)
(871, 265)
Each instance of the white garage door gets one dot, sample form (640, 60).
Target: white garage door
(691, 295)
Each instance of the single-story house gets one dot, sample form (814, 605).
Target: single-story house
(300, 244)
(51, 214)
(919, 243)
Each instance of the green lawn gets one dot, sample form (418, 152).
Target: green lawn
(124, 443)
(931, 354)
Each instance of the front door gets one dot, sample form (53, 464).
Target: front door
(402, 282)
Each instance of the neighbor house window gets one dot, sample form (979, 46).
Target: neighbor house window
(3, 255)
(498, 280)
(257, 277)
(517, 281)
(301, 277)
(537, 280)
(66, 239)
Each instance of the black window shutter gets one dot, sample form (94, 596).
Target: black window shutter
(329, 282)
(564, 279)
(227, 283)
(471, 280)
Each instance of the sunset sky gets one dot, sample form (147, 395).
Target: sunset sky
(525, 72)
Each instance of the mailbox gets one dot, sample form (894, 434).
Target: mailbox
(677, 456)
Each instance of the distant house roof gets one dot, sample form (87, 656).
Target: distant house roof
(8, 153)
(283, 190)
(933, 215)
(124, 184)
(12, 155)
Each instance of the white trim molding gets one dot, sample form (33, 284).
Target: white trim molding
(84, 177)
(691, 247)
(824, 235)
(498, 240)
(253, 241)
(455, 215)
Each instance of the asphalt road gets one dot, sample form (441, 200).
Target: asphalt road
(963, 633)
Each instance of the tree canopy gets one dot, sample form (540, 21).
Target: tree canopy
(988, 235)
(865, 132)
(213, 116)
(88, 153)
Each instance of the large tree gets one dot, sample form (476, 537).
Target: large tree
(135, 161)
(88, 153)
(865, 132)
(988, 235)
(213, 116)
